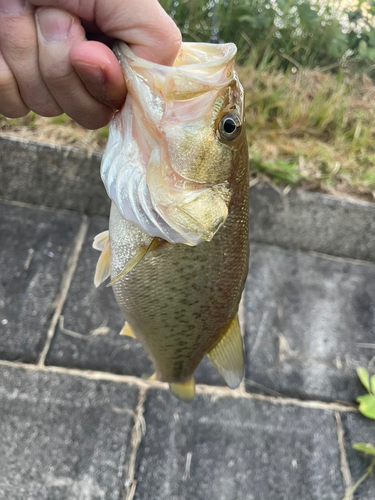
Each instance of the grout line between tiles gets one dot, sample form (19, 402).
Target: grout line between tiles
(345, 470)
(65, 284)
(209, 390)
(313, 253)
(138, 431)
(22, 204)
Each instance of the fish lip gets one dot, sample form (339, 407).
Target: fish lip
(228, 54)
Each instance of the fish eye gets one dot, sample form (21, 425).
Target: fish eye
(229, 126)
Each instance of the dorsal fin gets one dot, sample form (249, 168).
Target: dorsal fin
(103, 267)
(227, 355)
(184, 391)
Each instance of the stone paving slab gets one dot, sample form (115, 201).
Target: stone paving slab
(34, 248)
(305, 316)
(358, 429)
(63, 437)
(312, 221)
(238, 449)
(52, 176)
(89, 310)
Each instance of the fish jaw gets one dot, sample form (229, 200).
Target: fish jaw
(165, 166)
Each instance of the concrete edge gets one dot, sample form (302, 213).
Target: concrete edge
(66, 178)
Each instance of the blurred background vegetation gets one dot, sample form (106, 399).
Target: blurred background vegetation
(308, 69)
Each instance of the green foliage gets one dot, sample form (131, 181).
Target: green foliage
(364, 377)
(61, 119)
(367, 408)
(366, 448)
(284, 33)
(367, 402)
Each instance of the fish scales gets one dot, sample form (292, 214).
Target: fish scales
(179, 303)
(177, 250)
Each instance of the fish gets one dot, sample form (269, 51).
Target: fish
(177, 249)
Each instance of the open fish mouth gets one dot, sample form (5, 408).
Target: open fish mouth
(165, 166)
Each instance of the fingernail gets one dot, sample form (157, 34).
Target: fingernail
(54, 24)
(89, 73)
(12, 7)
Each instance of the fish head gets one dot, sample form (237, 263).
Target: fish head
(170, 160)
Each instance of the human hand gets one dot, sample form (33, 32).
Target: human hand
(48, 65)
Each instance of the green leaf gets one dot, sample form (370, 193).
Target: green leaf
(367, 405)
(372, 384)
(367, 448)
(362, 48)
(364, 377)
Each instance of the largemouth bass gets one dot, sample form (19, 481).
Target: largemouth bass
(177, 250)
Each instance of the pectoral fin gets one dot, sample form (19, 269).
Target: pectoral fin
(141, 252)
(227, 355)
(184, 391)
(103, 267)
(101, 240)
(127, 330)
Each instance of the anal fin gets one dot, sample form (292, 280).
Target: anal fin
(127, 330)
(139, 255)
(227, 355)
(184, 391)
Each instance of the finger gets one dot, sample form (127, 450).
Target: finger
(143, 24)
(99, 70)
(58, 32)
(11, 103)
(18, 43)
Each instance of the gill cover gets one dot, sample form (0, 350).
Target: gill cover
(165, 166)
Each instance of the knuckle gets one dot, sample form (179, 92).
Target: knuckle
(53, 75)
(15, 40)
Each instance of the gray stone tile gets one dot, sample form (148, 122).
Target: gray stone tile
(239, 449)
(35, 245)
(52, 176)
(358, 429)
(305, 316)
(85, 310)
(63, 437)
(312, 221)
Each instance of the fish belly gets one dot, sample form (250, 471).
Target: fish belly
(180, 300)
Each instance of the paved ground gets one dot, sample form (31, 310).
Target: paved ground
(78, 422)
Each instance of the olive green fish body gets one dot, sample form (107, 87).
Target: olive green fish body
(180, 301)
(176, 169)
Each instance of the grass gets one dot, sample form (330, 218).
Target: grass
(60, 130)
(309, 129)
(312, 130)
